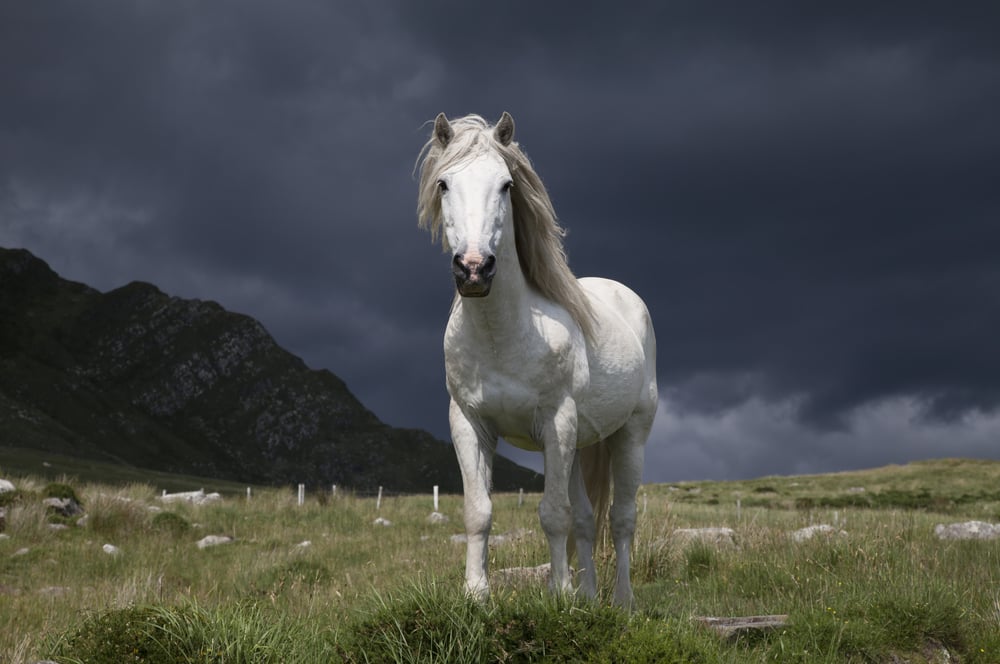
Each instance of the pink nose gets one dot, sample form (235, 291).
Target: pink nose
(474, 267)
(473, 272)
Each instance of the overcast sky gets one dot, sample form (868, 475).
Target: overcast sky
(808, 198)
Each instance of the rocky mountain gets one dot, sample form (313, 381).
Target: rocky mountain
(159, 382)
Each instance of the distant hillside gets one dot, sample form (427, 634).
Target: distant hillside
(141, 378)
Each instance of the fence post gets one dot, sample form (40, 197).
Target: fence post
(334, 490)
(739, 508)
(378, 503)
(248, 494)
(520, 497)
(435, 497)
(302, 494)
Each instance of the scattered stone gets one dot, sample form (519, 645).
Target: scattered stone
(809, 532)
(305, 544)
(66, 507)
(437, 517)
(214, 540)
(22, 551)
(937, 653)
(111, 549)
(54, 591)
(967, 530)
(6, 485)
(729, 628)
(519, 575)
(198, 497)
(58, 526)
(83, 521)
(382, 522)
(4, 536)
(503, 538)
(856, 489)
(723, 537)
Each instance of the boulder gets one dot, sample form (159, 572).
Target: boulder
(111, 549)
(198, 497)
(967, 530)
(66, 507)
(214, 540)
(519, 575)
(437, 517)
(382, 522)
(6, 485)
(502, 538)
(721, 537)
(809, 532)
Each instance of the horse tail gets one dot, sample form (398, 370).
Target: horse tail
(595, 468)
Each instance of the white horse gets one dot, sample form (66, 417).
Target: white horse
(532, 354)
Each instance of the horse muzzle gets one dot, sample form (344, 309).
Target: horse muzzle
(474, 274)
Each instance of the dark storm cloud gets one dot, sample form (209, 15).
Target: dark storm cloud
(805, 197)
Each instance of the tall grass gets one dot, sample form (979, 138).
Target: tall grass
(361, 592)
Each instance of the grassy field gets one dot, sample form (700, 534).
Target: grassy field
(886, 591)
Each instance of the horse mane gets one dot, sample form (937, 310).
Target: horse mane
(537, 233)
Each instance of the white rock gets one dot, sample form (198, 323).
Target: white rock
(725, 537)
(111, 549)
(515, 575)
(214, 540)
(6, 485)
(437, 517)
(198, 497)
(304, 544)
(58, 526)
(502, 538)
(4, 536)
(967, 530)
(22, 551)
(382, 522)
(809, 532)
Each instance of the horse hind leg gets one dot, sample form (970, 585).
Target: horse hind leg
(627, 447)
(584, 531)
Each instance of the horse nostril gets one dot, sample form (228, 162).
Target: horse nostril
(459, 268)
(489, 266)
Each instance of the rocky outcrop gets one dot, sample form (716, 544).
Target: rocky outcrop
(967, 530)
(139, 377)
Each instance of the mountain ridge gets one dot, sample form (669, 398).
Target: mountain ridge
(152, 380)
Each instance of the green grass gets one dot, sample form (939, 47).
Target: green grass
(358, 592)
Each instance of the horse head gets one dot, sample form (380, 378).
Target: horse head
(474, 190)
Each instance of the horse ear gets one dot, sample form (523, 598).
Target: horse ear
(504, 131)
(442, 130)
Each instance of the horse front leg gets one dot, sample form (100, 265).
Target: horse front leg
(475, 447)
(558, 439)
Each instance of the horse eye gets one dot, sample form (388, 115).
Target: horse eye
(507, 186)
(442, 186)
